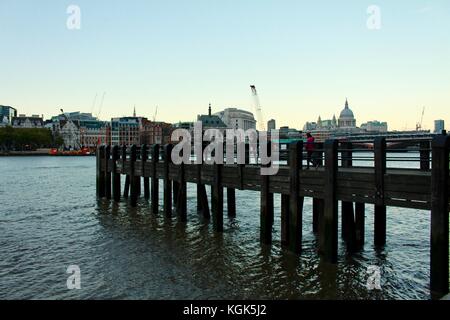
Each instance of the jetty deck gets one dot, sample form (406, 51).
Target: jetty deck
(337, 181)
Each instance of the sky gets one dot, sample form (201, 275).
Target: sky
(305, 58)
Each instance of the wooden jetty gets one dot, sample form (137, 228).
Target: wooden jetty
(338, 180)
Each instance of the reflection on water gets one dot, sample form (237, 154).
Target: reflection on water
(50, 219)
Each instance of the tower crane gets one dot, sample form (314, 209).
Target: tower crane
(419, 124)
(259, 116)
(101, 105)
(156, 113)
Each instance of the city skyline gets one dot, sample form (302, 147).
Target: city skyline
(304, 61)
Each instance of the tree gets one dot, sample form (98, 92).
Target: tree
(24, 138)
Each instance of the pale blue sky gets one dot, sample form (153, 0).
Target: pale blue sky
(305, 57)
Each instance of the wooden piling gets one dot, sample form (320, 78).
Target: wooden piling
(285, 201)
(347, 214)
(176, 191)
(126, 188)
(182, 195)
(167, 182)
(107, 172)
(424, 147)
(267, 212)
(155, 180)
(360, 216)
(380, 208)
(317, 208)
(231, 202)
(126, 191)
(133, 181)
(138, 177)
(348, 227)
(439, 260)
(115, 175)
(329, 227)
(202, 197)
(100, 173)
(217, 198)
(146, 180)
(296, 202)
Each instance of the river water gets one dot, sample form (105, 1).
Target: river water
(50, 219)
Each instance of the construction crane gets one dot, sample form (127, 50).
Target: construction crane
(156, 113)
(94, 102)
(259, 116)
(419, 124)
(101, 105)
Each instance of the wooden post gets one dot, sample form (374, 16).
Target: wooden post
(285, 200)
(199, 184)
(116, 175)
(144, 158)
(320, 153)
(424, 155)
(202, 197)
(380, 208)
(167, 182)
(133, 181)
(155, 180)
(107, 172)
(318, 204)
(100, 173)
(328, 233)
(296, 202)
(348, 231)
(176, 191)
(247, 153)
(439, 216)
(126, 189)
(138, 177)
(267, 212)
(347, 207)
(360, 216)
(231, 202)
(231, 193)
(217, 198)
(182, 195)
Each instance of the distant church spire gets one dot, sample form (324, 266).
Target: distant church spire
(346, 103)
(134, 111)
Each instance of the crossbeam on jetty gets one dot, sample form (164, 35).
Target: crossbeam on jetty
(338, 180)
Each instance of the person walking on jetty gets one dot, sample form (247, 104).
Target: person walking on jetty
(309, 146)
